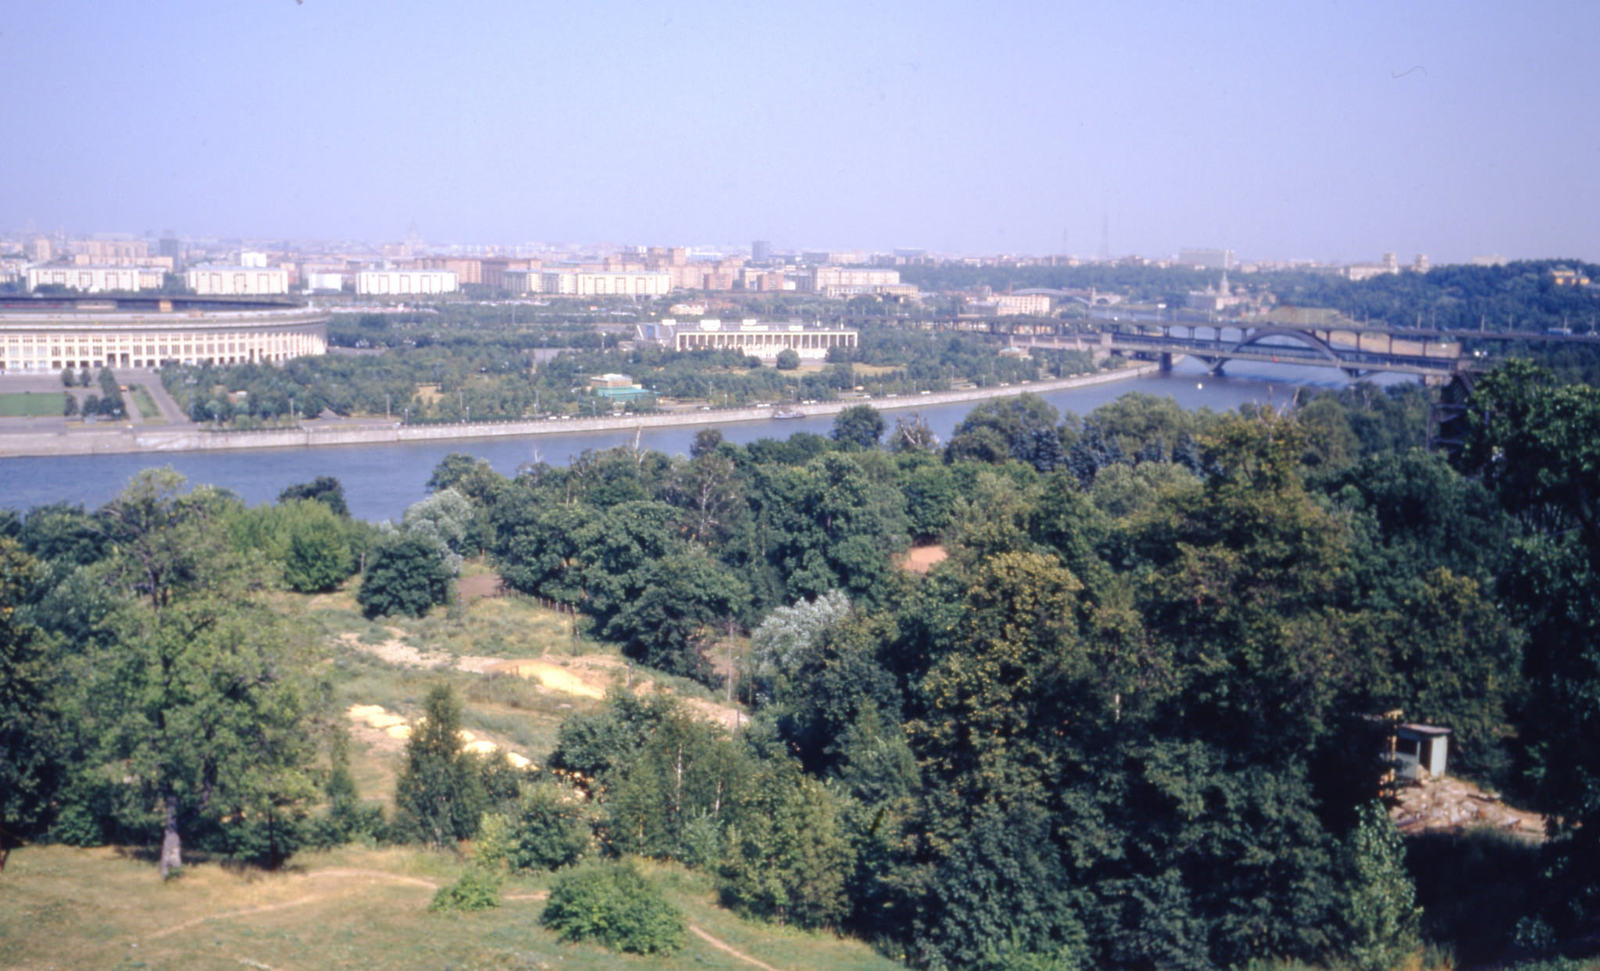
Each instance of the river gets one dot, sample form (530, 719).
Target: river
(381, 480)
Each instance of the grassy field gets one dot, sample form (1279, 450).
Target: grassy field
(32, 404)
(351, 908)
(363, 907)
(146, 405)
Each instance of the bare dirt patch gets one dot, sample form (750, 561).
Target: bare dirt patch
(1449, 805)
(921, 559)
(384, 729)
(586, 676)
(479, 587)
(396, 651)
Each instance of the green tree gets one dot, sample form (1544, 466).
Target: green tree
(444, 519)
(788, 359)
(203, 707)
(29, 761)
(324, 489)
(167, 543)
(405, 576)
(439, 795)
(859, 426)
(317, 557)
(1379, 913)
(788, 859)
(69, 407)
(681, 597)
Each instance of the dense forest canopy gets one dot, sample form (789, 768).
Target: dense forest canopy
(1131, 721)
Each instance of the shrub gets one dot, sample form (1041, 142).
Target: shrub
(613, 905)
(478, 889)
(548, 831)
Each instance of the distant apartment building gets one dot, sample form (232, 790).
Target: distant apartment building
(834, 257)
(322, 281)
(468, 269)
(767, 281)
(109, 252)
(212, 280)
(603, 283)
(1013, 305)
(752, 337)
(722, 275)
(96, 279)
(405, 283)
(1366, 271)
(843, 281)
(494, 271)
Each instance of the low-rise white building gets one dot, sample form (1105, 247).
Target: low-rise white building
(322, 281)
(406, 282)
(756, 338)
(96, 279)
(1014, 305)
(210, 280)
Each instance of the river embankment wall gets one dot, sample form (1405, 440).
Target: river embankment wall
(335, 432)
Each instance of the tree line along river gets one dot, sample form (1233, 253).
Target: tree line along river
(381, 480)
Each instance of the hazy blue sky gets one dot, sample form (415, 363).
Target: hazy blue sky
(1282, 129)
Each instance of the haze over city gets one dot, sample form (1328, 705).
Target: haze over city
(1327, 132)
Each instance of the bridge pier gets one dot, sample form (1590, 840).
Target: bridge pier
(1166, 362)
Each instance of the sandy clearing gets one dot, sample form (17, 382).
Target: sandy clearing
(921, 559)
(395, 650)
(376, 718)
(1447, 804)
(584, 676)
(548, 674)
(478, 587)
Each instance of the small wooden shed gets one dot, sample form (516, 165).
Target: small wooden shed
(1427, 746)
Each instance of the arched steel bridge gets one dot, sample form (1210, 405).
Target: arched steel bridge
(1353, 351)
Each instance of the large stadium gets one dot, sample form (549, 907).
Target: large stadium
(41, 334)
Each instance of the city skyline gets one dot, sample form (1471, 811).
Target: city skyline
(1328, 134)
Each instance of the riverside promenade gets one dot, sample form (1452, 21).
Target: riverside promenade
(121, 438)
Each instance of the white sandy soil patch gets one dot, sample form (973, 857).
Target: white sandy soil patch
(396, 651)
(587, 676)
(378, 719)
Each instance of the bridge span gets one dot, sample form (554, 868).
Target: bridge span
(1352, 352)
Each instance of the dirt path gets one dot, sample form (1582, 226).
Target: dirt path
(351, 873)
(727, 948)
(335, 873)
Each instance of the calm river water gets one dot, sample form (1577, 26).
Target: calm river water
(381, 480)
